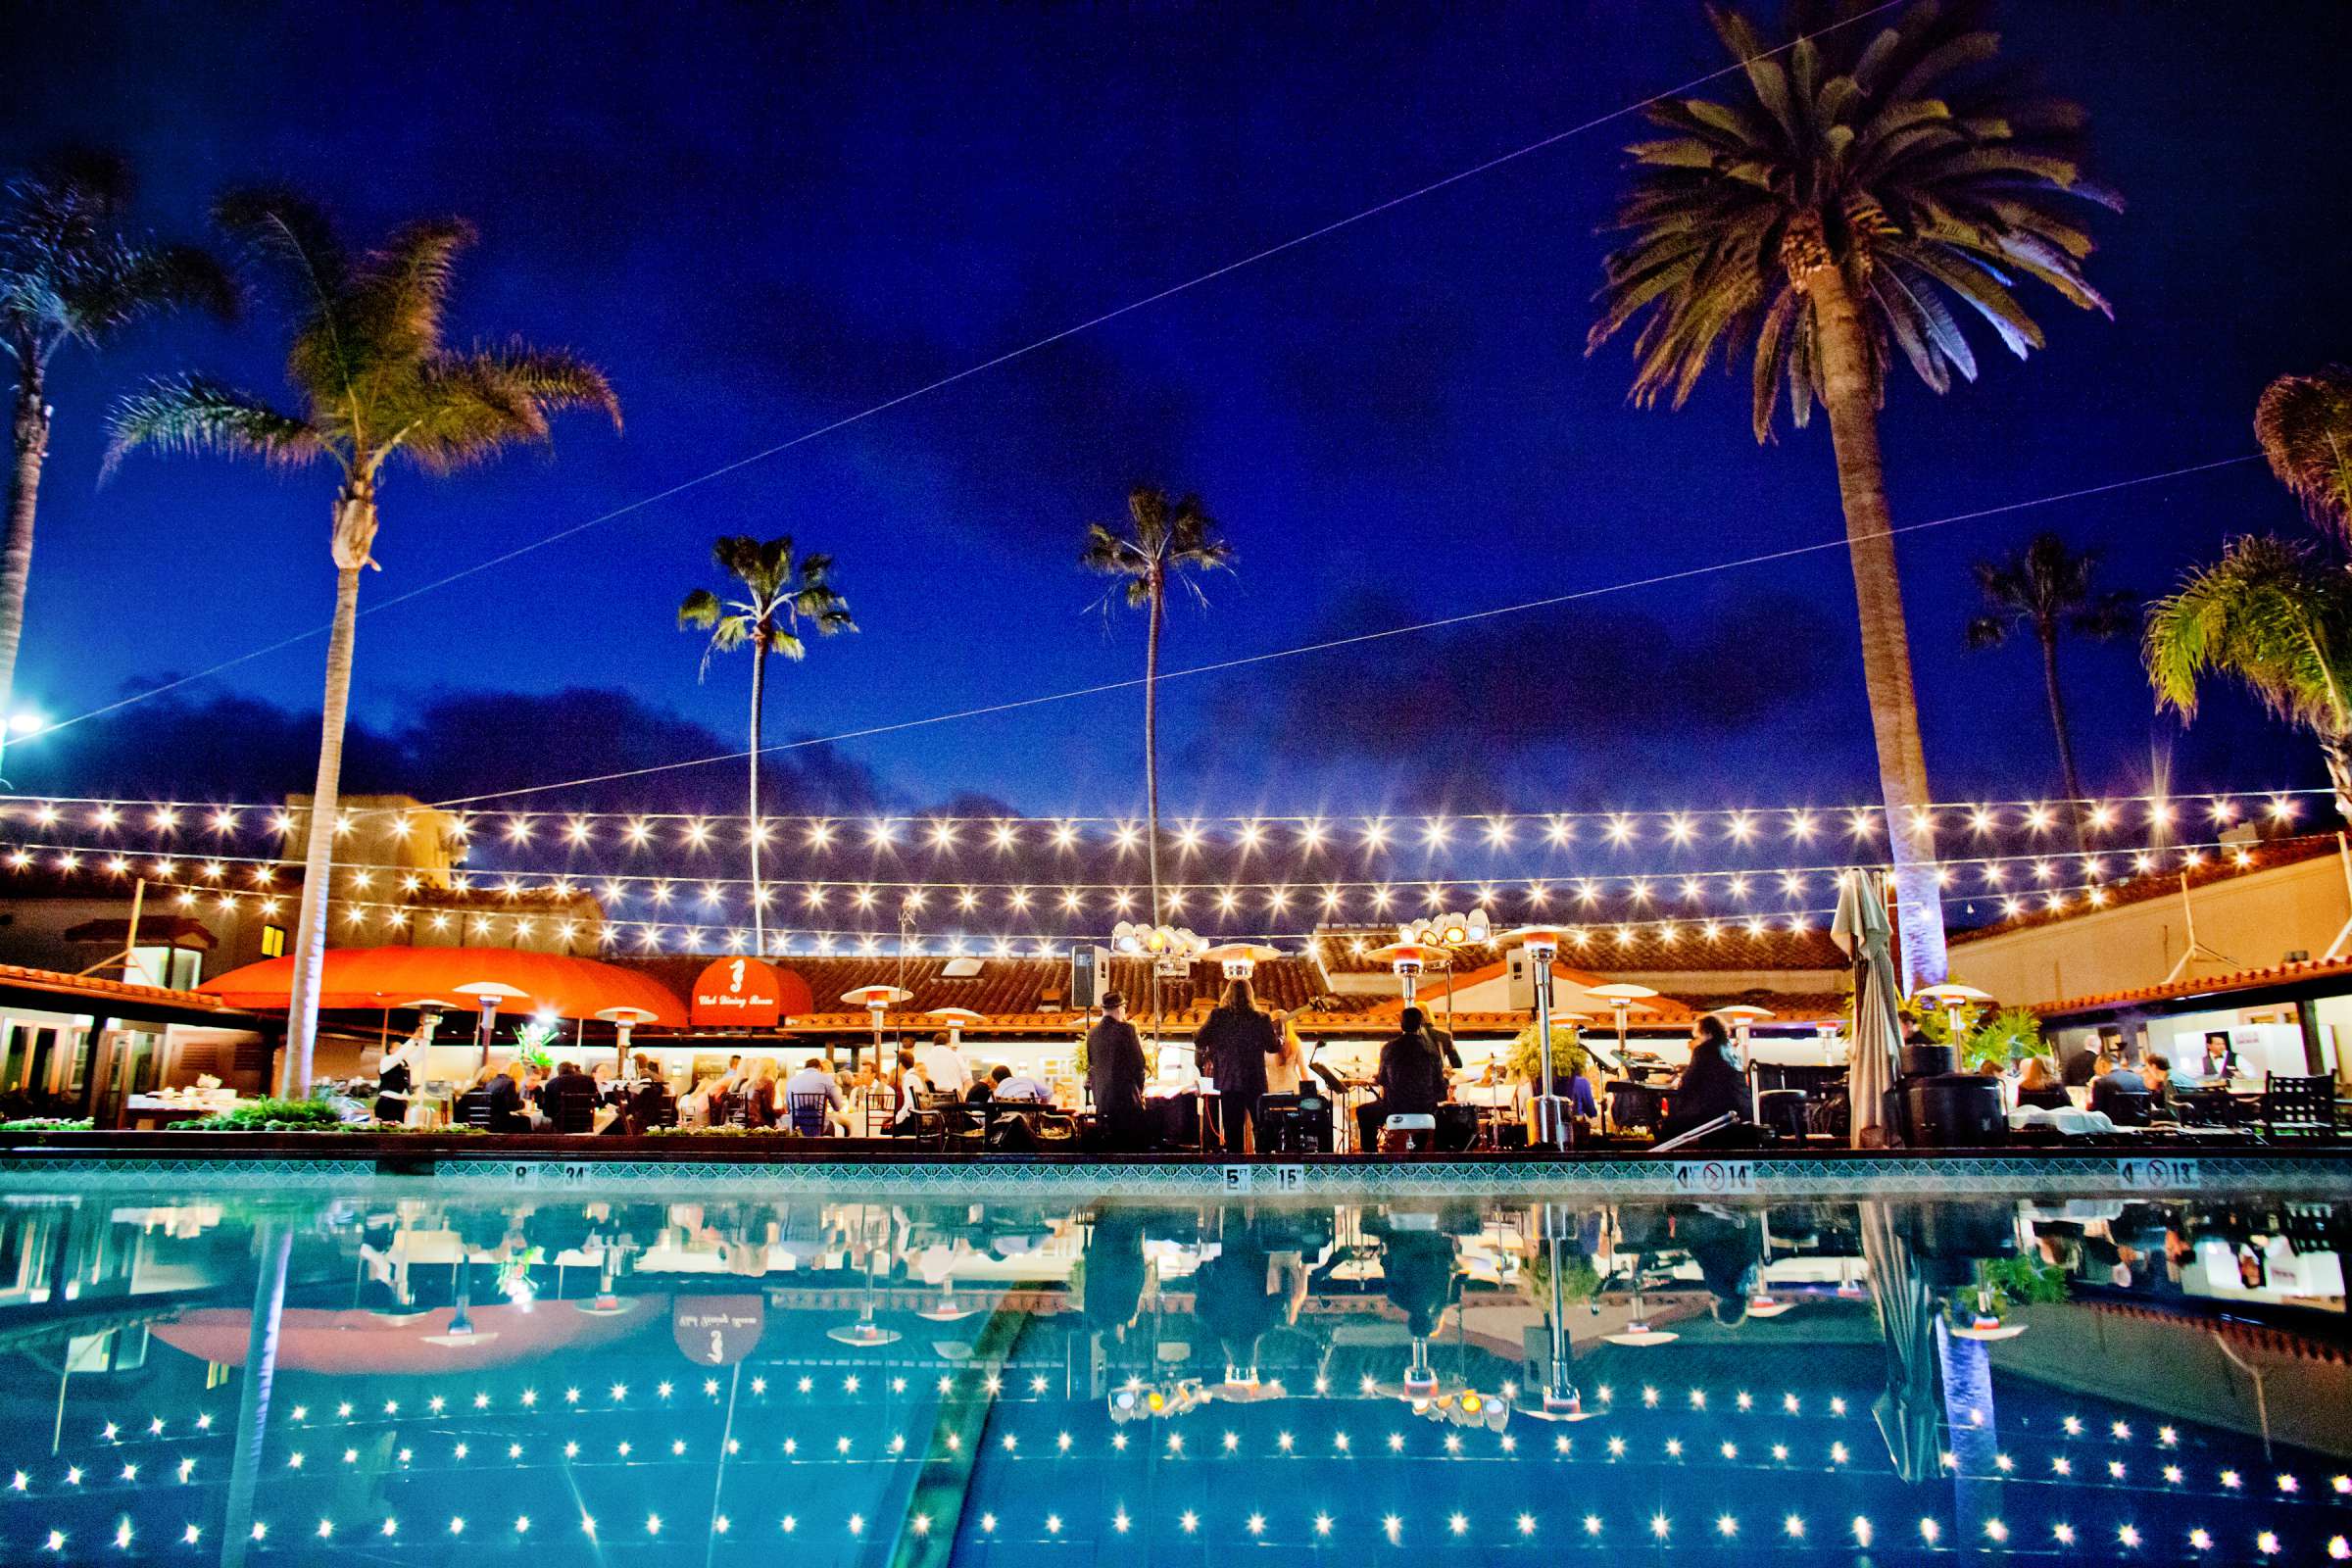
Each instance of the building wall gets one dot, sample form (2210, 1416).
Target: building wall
(2254, 921)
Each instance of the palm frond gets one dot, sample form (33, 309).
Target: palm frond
(284, 225)
(1924, 182)
(2269, 614)
(398, 294)
(2304, 423)
(192, 413)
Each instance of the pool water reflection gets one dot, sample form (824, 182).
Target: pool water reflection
(387, 1377)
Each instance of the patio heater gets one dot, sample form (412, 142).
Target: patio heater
(876, 1001)
(1562, 1399)
(489, 993)
(957, 1020)
(1542, 945)
(1955, 999)
(1743, 1016)
(624, 1021)
(1621, 995)
(1407, 960)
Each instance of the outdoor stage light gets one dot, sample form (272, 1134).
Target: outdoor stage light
(1471, 929)
(1135, 940)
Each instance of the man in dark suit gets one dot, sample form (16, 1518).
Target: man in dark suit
(1115, 1075)
(571, 1098)
(507, 1113)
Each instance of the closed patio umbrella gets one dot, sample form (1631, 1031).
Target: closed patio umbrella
(1908, 1414)
(1876, 1036)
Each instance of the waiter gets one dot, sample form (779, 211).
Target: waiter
(1115, 1073)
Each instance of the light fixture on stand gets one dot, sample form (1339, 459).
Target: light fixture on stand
(1955, 999)
(489, 993)
(876, 1001)
(623, 1020)
(1407, 960)
(1621, 995)
(1743, 1016)
(1240, 959)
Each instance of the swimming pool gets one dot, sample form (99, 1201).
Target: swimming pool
(405, 1371)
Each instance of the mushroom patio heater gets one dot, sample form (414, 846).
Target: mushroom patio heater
(1240, 959)
(489, 993)
(1621, 995)
(429, 1011)
(876, 1001)
(1743, 1016)
(957, 1020)
(1542, 945)
(623, 1020)
(1408, 959)
(1955, 999)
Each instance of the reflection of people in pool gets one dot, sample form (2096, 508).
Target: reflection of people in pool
(1728, 1246)
(1419, 1280)
(1230, 1296)
(1111, 1272)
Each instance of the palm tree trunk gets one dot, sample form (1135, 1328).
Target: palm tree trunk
(16, 563)
(2066, 745)
(274, 1249)
(759, 696)
(2336, 749)
(354, 521)
(1151, 779)
(1849, 393)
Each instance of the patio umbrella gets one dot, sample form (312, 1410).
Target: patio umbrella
(1908, 1415)
(1877, 1032)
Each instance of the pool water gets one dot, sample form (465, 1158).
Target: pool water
(381, 1375)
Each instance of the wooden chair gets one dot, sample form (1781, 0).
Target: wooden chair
(2298, 1106)
(472, 1109)
(805, 1113)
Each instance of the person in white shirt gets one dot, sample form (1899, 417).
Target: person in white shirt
(944, 1066)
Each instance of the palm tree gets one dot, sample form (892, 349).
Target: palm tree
(779, 596)
(2305, 426)
(69, 275)
(2047, 589)
(1826, 219)
(372, 380)
(2277, 617)
(1166, 542)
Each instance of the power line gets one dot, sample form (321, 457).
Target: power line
(1006, 358)
(1327, 645)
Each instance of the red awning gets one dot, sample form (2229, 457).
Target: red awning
(322, 1340)
(365, 979)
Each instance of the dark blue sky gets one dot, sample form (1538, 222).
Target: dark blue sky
(762, 220)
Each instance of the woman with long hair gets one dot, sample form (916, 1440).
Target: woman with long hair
(1232, 1047)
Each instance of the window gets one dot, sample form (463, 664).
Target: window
(273, 942)
(173, 968)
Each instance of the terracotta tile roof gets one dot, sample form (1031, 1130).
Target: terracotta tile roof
(2205, 985)
(93, 987)
(2267, 854)
(1643, 948)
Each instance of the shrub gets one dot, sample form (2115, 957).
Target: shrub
(270, 1116)
(46, 1124)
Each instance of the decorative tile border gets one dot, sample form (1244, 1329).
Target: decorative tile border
(1720, 1177)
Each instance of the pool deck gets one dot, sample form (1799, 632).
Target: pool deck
(779, 1167)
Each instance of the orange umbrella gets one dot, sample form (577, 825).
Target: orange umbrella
(368, 977)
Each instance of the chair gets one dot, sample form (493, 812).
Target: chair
(1784, 1111)
(472, 1109)
(806, 1112)
(576, 1115)
(2131, 1108)
(1408, 1130)
(2296, 1107)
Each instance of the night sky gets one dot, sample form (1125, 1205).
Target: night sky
(762, 221)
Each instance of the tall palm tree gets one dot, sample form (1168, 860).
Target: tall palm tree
(1826, 219)
(2277, 617)
(1165, 543)
(2305, 426)
(68, 274)
(780, 595)
(372, 380)
(2049, 590)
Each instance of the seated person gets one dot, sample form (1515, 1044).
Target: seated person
(570, 1096)
(1711, 1085)
(2038, 1088)
(1411, 1079)
(507, 1113)
(813, 1079)
(984, 1085)
(1022, 1085)
(2158, 1071)
(2112, 1080)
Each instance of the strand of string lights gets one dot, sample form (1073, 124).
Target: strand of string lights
(1267, 252)
(1252, 830)
(1581, 899)
(683, 936)
(1690, 884)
